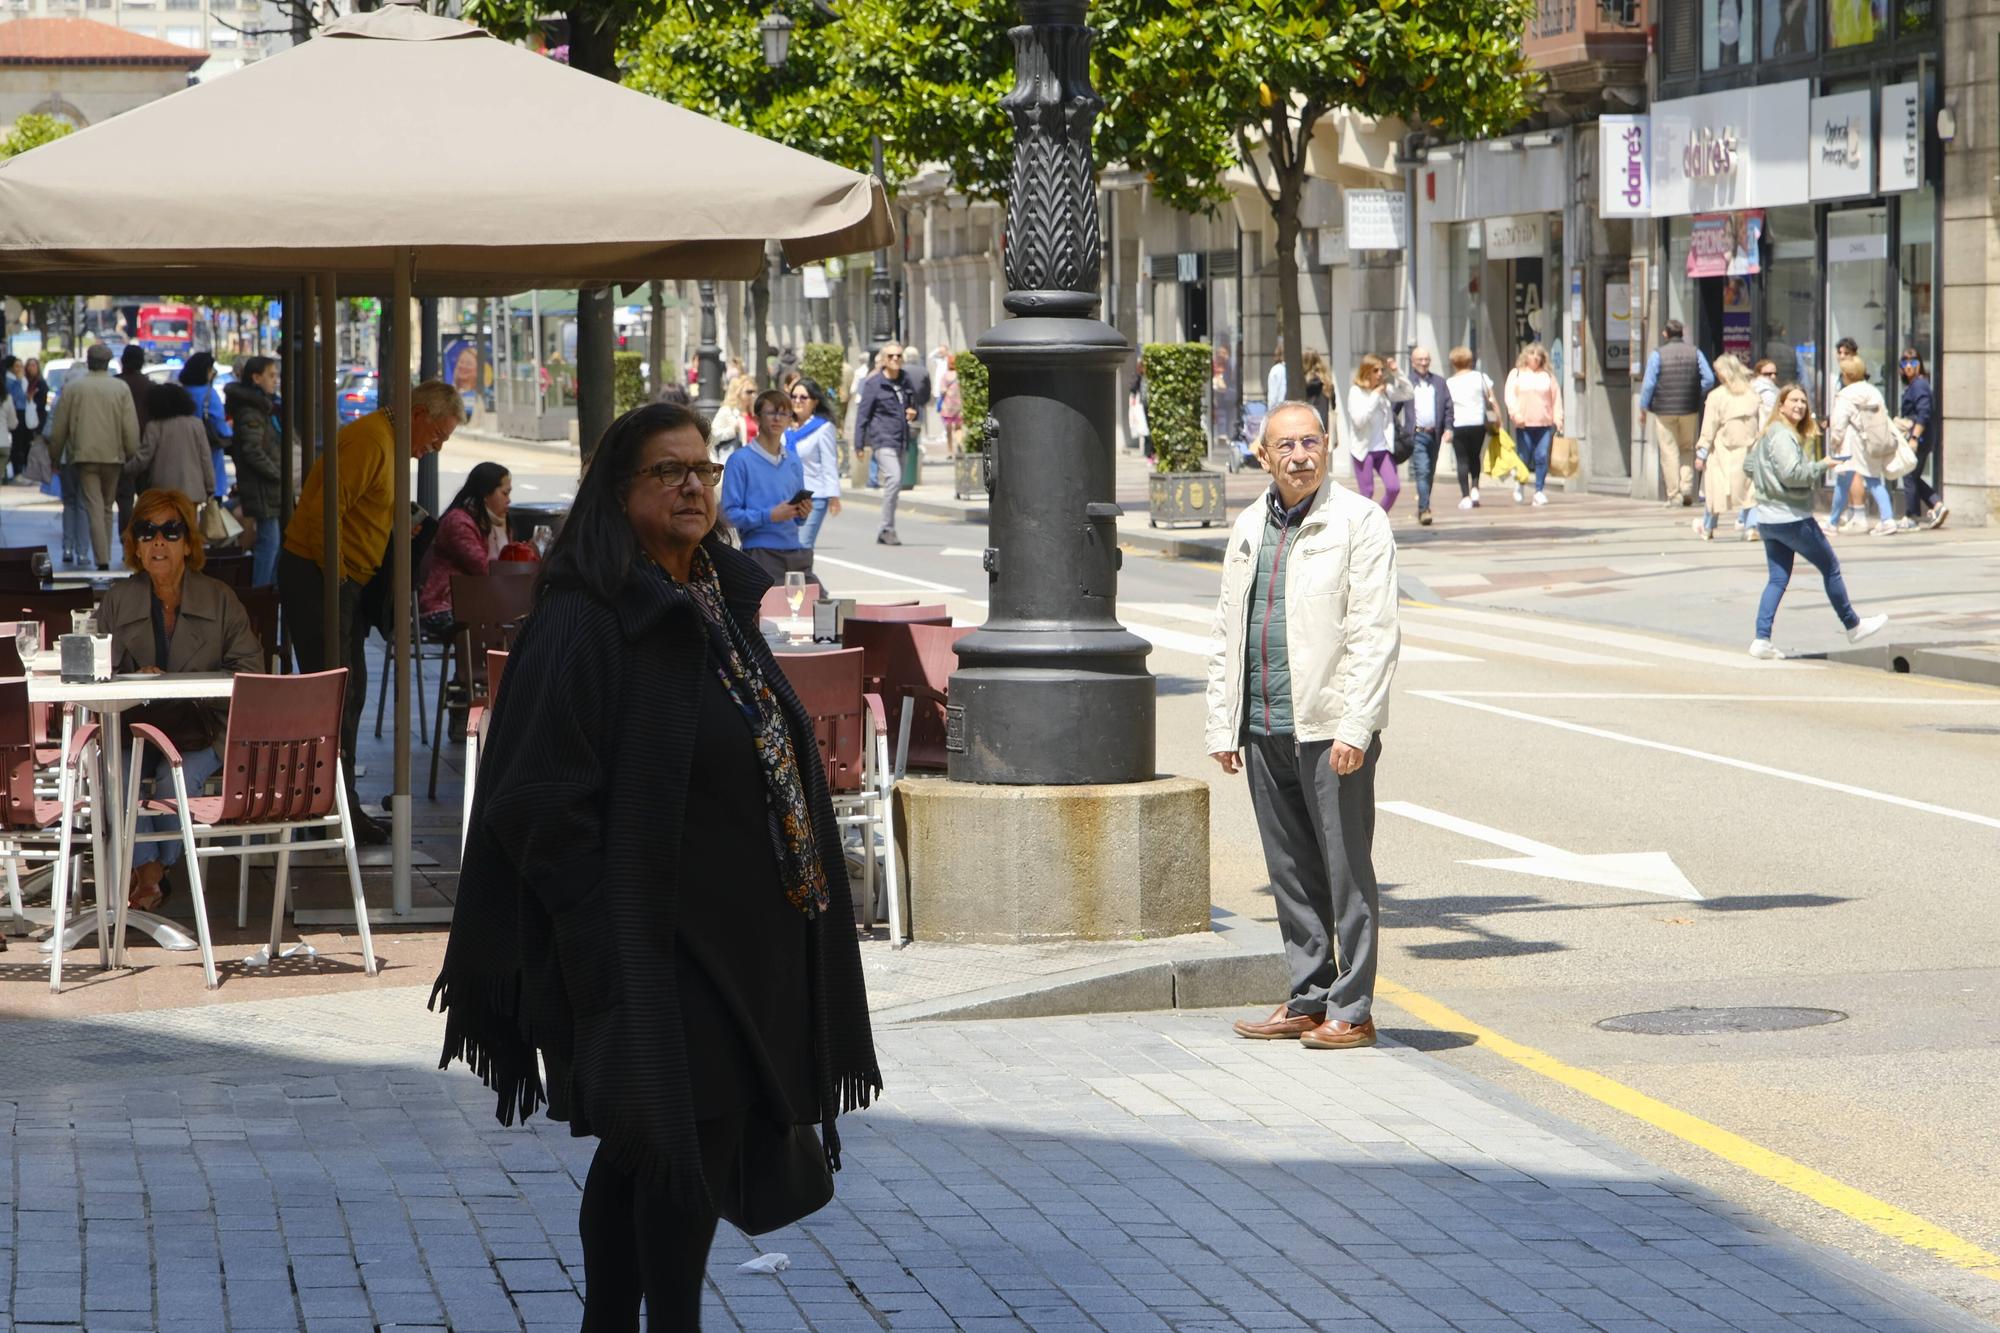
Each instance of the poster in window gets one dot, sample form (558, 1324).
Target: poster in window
(1728, 33)
(1736, 330)
(1527, 307)
(1858, 22)
(1788, 27)
(1725, 245)
(1617, 328)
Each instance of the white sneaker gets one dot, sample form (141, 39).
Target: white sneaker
(1519, 494)
(1466, 503)
(1475, 497)
(1701, 530)
(1938, 515)
(1884, 529)
(1764, 649)
(1867, 627)
(1906, 524)
(1541, 499)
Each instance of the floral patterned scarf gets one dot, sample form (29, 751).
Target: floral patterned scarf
(784, 788)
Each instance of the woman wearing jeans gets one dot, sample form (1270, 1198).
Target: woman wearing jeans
(1781, 486)
(812, 439)
(1535, 406)
(1367, 426)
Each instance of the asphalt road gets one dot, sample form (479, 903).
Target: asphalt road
(1792, 835)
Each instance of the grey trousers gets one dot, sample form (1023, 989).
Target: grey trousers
(1319, 835)
(890, 463)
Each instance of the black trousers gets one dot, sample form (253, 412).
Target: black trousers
(1919, 496)
(17, 448)
(638, 1246)
(302, 595)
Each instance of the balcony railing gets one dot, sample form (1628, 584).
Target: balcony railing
(1565, 33)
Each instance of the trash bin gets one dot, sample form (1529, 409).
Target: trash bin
(913, 464)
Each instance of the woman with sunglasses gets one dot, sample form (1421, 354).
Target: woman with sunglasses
(654, 906)
(764, 493)
(818, 450)
(168, 618)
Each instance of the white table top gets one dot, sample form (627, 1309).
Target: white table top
(129, 691)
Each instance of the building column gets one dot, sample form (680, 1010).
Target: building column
(1968, 359)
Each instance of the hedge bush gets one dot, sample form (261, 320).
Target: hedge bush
(628, 381)
(975, 398)
(1177, 377)
(822, 364)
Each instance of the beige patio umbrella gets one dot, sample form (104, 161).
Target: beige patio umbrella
(416, 155)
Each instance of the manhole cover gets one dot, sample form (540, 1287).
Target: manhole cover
(1695, 1022)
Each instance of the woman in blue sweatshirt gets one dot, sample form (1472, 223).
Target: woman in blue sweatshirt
(759, 485)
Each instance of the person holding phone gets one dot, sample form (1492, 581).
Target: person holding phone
(1782, 479)
(765, 496)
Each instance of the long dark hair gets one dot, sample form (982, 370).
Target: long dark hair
(199, 370)
(597, 546)
(482, 481)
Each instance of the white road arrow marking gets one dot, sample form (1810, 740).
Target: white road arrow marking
(1639, 872)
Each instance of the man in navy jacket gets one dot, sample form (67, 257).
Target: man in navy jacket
(882, 426)
(1920, 498)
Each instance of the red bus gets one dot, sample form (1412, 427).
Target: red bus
(167, 329)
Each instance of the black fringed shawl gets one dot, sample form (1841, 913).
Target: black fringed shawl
(562, 941)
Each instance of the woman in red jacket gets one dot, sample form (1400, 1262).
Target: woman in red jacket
(469, 538)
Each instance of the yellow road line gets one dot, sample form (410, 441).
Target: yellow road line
(1801, 1179)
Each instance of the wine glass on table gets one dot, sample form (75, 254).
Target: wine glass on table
(795, 597)
(28, 639)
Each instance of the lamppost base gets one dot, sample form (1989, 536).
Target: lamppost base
(1041, 865)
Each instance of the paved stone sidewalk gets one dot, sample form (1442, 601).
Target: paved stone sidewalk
(299, 1163)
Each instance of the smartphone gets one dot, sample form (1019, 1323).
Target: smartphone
(803, 497)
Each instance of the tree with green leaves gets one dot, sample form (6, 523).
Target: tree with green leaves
(32, 131)
(1193, 86)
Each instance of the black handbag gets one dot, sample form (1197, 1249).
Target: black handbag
(781, 1176)
(1406, 441)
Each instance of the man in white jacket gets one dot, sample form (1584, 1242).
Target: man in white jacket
(1304, 646)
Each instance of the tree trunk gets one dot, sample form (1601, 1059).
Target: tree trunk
(759, 339)
(656, 339)
(1290, 323)
(593, 49)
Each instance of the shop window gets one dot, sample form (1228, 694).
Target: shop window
(1679, 44)
(1857, 270)
(1728, 33)
(1791, 297)
(1856, 22)
(1915, 16)
(1789, 27)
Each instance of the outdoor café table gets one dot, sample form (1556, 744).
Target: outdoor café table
(782, 644)
(110, 700)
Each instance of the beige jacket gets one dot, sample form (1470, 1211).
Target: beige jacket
(1843, 432)
(212, 633)
(95, 421)
(1341, 630)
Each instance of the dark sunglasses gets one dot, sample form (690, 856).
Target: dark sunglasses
(145, 529)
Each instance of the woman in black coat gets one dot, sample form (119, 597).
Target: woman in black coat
(654, 897)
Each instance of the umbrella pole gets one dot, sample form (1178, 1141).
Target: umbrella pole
(398, 373)
(329, 477)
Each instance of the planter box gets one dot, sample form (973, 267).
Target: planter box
(968, 476)
(1178, 498)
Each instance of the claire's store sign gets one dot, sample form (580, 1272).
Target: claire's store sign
(1624, 167)
(1710, 153)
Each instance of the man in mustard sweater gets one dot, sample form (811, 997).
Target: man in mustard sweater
(365, 499)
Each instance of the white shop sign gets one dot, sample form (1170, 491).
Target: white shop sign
(1376, 219)
(814, 279)
(1857, 249)
(1843, 145)
(1624, 167)
(1333, 245)
(1524, 236)
(1901, 140)
(1725, 152)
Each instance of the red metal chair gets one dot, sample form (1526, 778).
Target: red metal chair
(281, 773)
(35, 829)
(908, 613)
(475, 736)
(910, 666)
(488, 609)
(853, 746)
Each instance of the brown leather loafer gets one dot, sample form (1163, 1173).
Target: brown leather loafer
(1338, 1035)
(1282, 1025)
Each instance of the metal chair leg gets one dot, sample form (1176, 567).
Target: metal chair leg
(354, 875)
(193, 856)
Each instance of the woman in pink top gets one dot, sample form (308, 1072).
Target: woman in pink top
(1535, 407)
(469, 538)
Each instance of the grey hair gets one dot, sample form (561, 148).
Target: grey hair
(438, 401)
(1292, 405)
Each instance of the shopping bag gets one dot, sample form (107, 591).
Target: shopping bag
(1901, 464)
(1563, 459)
(1501, 459)
(218, 526)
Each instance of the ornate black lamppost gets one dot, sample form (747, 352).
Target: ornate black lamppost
(1052, 690)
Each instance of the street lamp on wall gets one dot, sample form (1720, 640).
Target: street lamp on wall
(775, 31)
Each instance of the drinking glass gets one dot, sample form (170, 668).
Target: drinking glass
(545, 537)
(43, 568)
(795, 596)
(28, 638)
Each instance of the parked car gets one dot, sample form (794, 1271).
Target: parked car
(358, 394)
